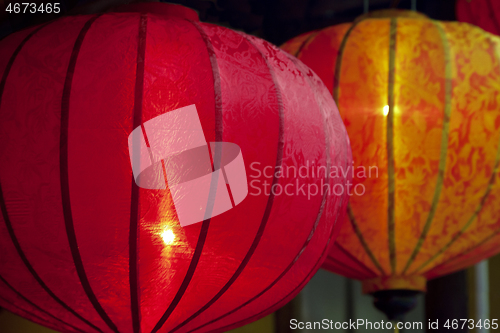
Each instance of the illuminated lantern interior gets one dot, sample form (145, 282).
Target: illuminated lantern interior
(83, 248)
(420, 101)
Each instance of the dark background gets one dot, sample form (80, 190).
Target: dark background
(274, 20)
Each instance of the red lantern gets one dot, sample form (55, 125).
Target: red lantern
(83, 248)
(483, 13)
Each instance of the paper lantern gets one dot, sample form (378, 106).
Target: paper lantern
(421, 103)
(83, 248)
(483, 13)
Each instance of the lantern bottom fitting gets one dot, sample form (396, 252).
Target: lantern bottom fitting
(407, 282)
(395, 303)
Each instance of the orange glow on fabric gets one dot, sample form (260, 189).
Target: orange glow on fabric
(168, 236)
(419, 99)
(204, 180)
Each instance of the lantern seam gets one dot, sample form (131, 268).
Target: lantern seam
(313, 270)
(308, 276)
(299, 286)
(338, 64)
(345, 268)
(267, 212)
(472, 218)
(36, 306)
(484, 241)
(206, 223)
(362, 240)
(18, 310)
(134, 197)
(353, 258)
(307, 41)
(492, 15)
(3, 206)
(335, 93)
(391, 186)
(444, 147)
(316, 222)
(64, 177)
(481, 203)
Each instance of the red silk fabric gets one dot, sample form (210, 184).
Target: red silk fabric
(82, 247)
(483, 13)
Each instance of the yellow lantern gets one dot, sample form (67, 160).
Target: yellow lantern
(421, 102)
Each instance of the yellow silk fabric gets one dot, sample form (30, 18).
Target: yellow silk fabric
(434, 104)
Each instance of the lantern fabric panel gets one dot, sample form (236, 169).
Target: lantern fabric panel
(420, 139)
(473, 143)
(434, 87)
(9, 294)
(22, 306)
(331, 39)
(304, 255)
(347, 265)
(177, 63)
(33, 123)
(238, 65)
(109, 266)
(486, 248)
(483, 13)
(98, 116)
(370, 90)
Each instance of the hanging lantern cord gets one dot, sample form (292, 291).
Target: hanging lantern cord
(414, 5)
(366, 6)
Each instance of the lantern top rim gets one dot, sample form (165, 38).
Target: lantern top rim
(169, 10)
(391, 13)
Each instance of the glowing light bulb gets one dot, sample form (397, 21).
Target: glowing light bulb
(168, 236)
(386, 110)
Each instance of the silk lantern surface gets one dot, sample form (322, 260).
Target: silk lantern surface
(483, 13)
(83, 248)
(421, 103)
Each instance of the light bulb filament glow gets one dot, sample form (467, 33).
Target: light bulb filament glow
(168, 236)
(386, 110)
